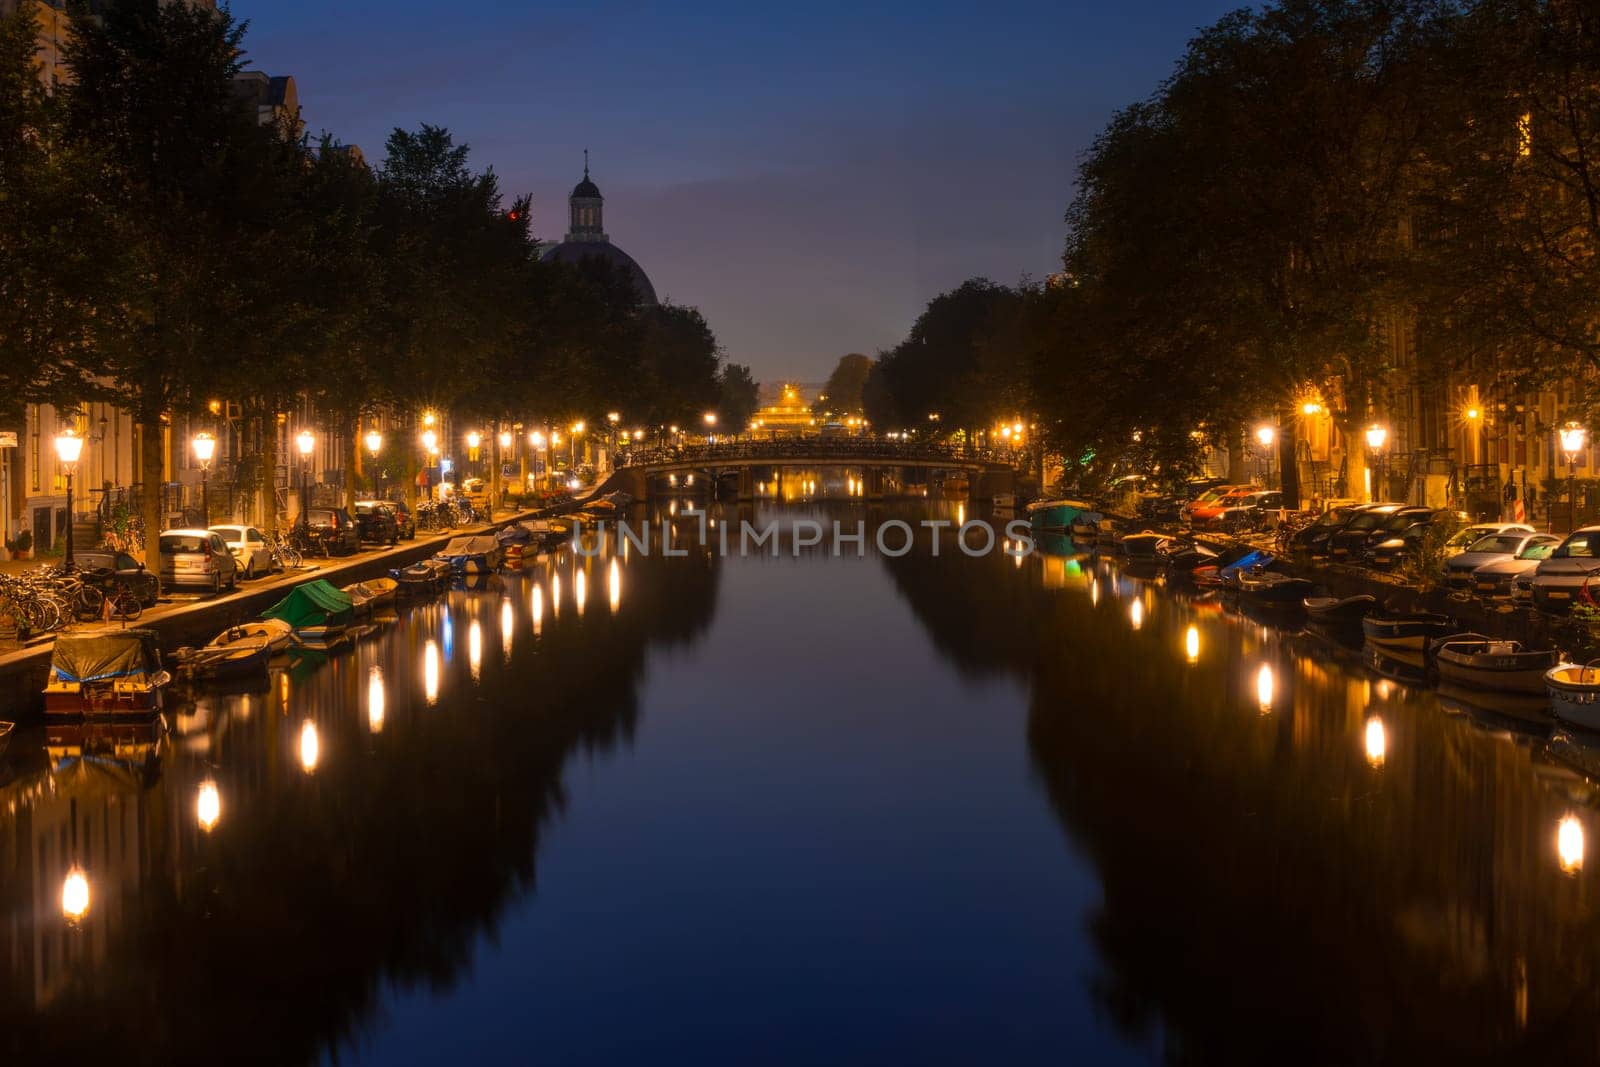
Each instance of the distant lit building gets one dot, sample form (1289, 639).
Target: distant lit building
(786, 411)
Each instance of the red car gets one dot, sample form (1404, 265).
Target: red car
(1202, 512)
(1209, 498)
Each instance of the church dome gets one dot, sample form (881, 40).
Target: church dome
(586, 188)
(574, 253)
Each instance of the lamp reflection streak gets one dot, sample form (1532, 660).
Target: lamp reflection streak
(614, 586)
(375, 699)
(1266, 688)
(430, 671)
(310, 746)
(475, 649)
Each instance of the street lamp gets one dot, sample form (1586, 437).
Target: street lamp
(1265, 435)
(306, 441)
(1572, 438)
(1376, 438)
(205, 446)
(69, 446)
(374, 446)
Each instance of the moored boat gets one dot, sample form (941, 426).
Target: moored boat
(1085, 528)
(105, 672)
(1489, 664)
(5, 734)
(1270, 588)
(1336, 609)
(316, 611)
(1574, 691)
(1144, 545)
(277, 632)
(477, 554)
(1405, 634)
(230, 655)
(1055, 514)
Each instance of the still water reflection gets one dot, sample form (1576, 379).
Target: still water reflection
(794, 809)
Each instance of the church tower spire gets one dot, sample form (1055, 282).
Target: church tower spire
(584, 208)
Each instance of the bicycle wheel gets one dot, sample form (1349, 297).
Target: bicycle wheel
(43, 615)
(127, 606)
(89, 602)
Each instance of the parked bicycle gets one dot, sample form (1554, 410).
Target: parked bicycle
(284, 554)
(101, 589)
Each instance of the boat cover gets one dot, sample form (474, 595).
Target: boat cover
(98, 657)
(460, 547)
(515, 534)
(316, 603)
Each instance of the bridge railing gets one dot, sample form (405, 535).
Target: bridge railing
(821, 449)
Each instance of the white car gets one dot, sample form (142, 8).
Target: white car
(249, 548)
(1464, 538)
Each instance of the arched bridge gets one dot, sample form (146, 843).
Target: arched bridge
(988, 471)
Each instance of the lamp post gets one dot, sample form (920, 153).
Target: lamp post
(69, 446)
(1572, 438)
(572, 444)
(1376, 437)
(711, 425)
(536, 439)
(613, 417)
(1265, 435)
(205, 446)
(504, 440)
(374, 446)
(306, 441)
(430, 444)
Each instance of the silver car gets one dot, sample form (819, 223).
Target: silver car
(1565, 576)
(1499, 577)
(1460, 570)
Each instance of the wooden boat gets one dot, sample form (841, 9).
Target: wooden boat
(276, 631)
(1085, 528)
(1574, 692)
(1405, 633)
(1145, 545)
(380, 592)
(317, 612)
(1272, 589)
(230, 655)
(109, 672)
(5, 734)
(1402, 666)
(1503, 665)
(360, 605)
(1336, 609)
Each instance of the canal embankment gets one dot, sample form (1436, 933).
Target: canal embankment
(183, 620)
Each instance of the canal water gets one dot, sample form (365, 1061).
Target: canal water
(804, 808)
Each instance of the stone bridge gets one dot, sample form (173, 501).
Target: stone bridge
(641, 471)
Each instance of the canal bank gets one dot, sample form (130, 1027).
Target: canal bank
(23, 672)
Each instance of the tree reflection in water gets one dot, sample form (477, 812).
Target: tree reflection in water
(1295, 886)
(1356, 877)
(272, 934)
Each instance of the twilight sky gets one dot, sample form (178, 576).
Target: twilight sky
(809, 176)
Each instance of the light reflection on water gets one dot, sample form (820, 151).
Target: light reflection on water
(1265, 845)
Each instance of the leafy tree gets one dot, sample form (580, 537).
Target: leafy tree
(842, 395)
(49, 246)
(184, 195)
(738, 398)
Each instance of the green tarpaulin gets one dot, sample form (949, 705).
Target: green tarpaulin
(316, 603)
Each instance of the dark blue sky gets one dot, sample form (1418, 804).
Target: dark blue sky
(807, 176)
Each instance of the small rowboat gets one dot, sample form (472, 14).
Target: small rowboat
(1146, 545)
(1405, 634)
(229, 655)
(1335, 609)
(1575, 694)
(276, 631)
(1486, 664)
(380, 592)
(1271, 589)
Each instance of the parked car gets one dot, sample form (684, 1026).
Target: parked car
(249, 548)
(1467, 536)
(1252, 511)
(1399, 535)
(1559, 579)
(404, 521)
(1313, 539)
(1492, 548)
(1349, 542)
(197, 559)
(1495, 577)
(375, 522)
(1206, 513)
(1207, 499)
(121, 567)
(334, 528)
